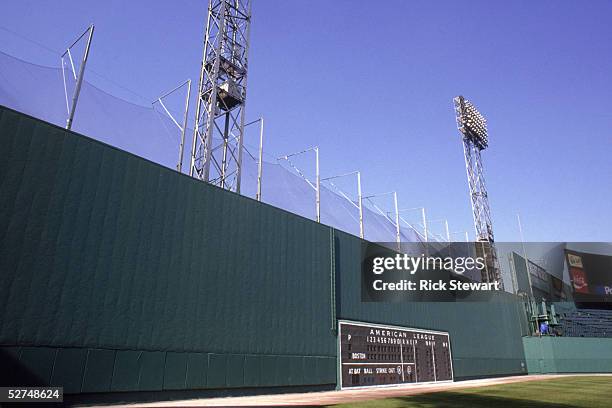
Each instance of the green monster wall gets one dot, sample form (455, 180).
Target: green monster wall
(122, 275)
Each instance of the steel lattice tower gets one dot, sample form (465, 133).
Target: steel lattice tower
(216, 154)
(473, 128)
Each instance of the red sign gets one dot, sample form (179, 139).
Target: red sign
(579, 279)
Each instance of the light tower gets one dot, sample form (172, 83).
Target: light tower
(216, 154)
(473, 128)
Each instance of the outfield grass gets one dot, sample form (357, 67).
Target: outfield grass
(568, 392)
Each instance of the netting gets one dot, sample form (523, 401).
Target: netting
(39, 91)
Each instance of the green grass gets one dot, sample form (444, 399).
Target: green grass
(568, 392)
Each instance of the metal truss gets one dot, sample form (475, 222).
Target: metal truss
(481, 211)
(478, 192)
(216, 155)
(473, 143)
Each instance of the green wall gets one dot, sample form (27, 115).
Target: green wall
(121, 275)
(568, 354)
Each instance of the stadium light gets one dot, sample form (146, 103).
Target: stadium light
(471, 122)
(475, 137)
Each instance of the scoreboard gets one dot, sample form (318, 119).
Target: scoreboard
(377, 355)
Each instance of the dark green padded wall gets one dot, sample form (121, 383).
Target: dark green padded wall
(120, 275)
(123, 266)
(485, 337)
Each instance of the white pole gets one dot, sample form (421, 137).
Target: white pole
(425, 231)
(361, 234)
(318, 181)
(424, 224)
(179, 167)
(397, 225)
(77, 88)
(447, 231)
(260, 161)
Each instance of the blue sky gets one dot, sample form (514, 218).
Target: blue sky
(372, 85)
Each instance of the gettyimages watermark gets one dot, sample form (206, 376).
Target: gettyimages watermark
(480, 271)
(427, 272)
(413, 264)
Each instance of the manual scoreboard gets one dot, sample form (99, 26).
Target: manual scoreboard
(377, 355)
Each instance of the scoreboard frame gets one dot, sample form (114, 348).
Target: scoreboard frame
(341, 363)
